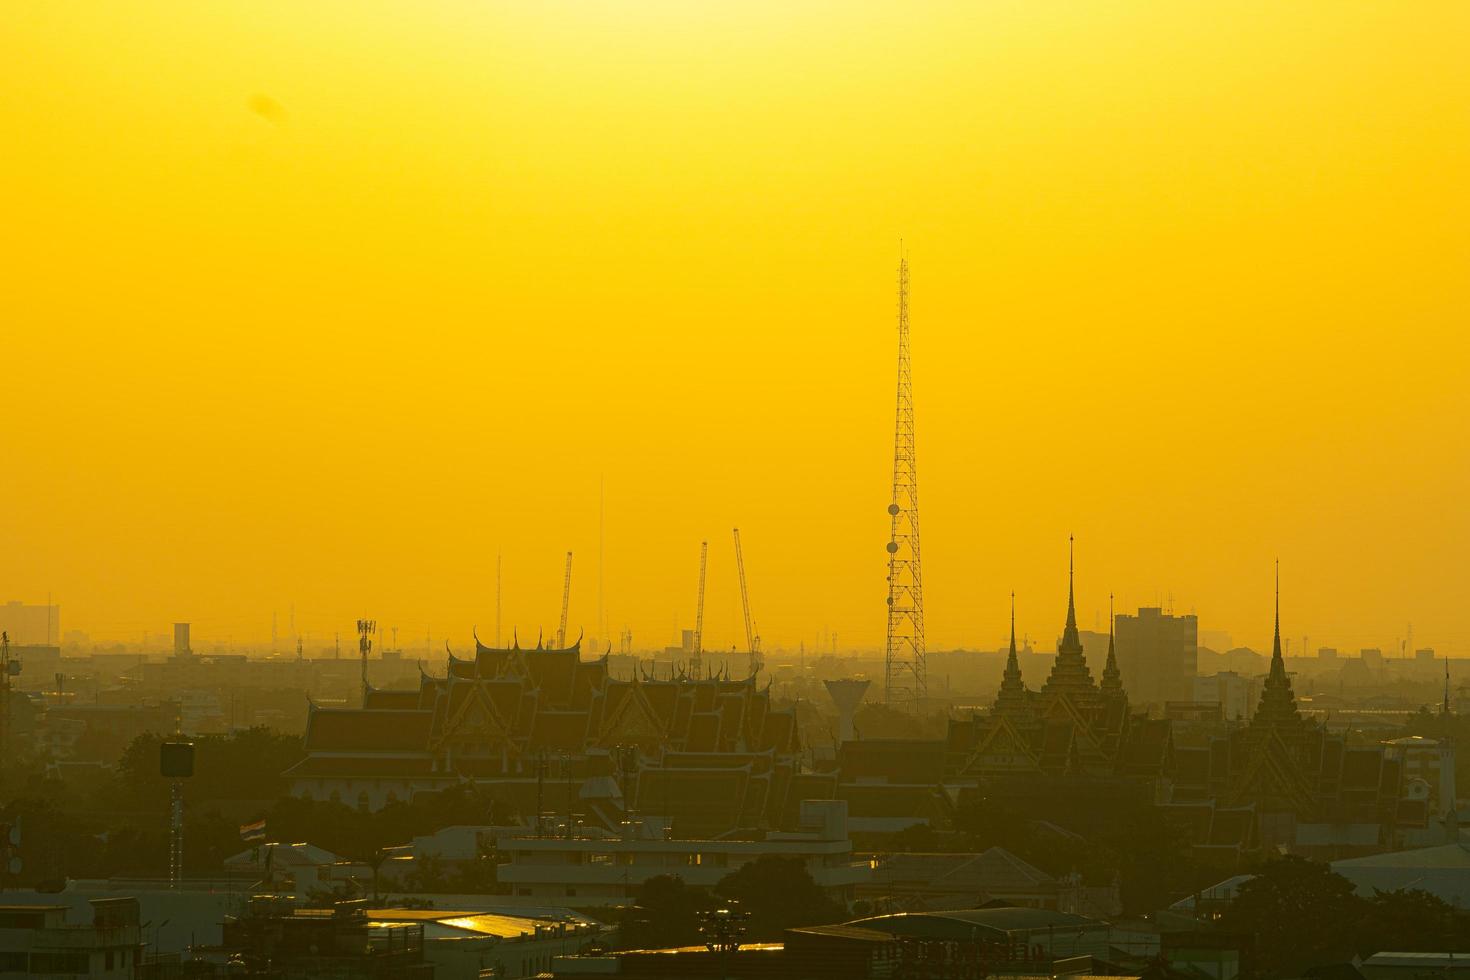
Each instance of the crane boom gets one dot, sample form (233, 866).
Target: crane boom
(699, 608)
(566, 599)
(752, 638)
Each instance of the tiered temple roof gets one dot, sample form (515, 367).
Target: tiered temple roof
(711, 750)
(1290, 770)
(1070, 675)
(1072, 725)
(1013, 698)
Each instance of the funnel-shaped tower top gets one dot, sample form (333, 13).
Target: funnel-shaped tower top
(847, 694)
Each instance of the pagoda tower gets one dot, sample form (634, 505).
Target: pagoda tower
(1277, 709)
(1070, 675)
(1013, 698)
(1112, 677)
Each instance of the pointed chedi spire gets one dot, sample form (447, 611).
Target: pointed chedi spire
(1013, 695)
(1069, 673)
(1112, 677)
(1071, 574)
(1277, 708)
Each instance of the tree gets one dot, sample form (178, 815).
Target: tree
(1123, 838)
(666, 914)
(779, 894)
(1411, 919)
(244, 765)
(1301, 914)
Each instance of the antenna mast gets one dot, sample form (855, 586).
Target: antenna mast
(566, 599)
(699, 610)
(752, 638)
(905, 675)
(1445, 708)
(365, 629)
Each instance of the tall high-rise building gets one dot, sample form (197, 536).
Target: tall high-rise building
(1158, 654)
(181, 640)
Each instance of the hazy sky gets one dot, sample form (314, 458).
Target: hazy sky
(330, 302)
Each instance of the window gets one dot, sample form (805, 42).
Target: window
(599, 859)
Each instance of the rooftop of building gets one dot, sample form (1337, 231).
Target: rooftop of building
(965, 923)
(467, 924)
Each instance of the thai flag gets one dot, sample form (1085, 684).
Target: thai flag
(253, 831)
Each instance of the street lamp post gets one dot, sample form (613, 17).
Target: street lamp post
(722, 929)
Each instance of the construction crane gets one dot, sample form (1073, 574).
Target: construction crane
(752, 639)
(699, 609)
(566, 598)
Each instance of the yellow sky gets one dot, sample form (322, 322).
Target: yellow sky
(330, 302)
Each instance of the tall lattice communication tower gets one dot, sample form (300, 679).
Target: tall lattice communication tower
(905, 677)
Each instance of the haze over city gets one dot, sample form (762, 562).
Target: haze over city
(330, 310)
(465, 461)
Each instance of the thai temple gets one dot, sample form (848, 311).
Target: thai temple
(1073, 725)
(1285, 780)
(1281, 780)
(557, 737)
(552, 734)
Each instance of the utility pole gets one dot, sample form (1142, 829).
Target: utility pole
(1445, 708)
(541, 767)
(5, 672)
(905, 673)
(497, 600)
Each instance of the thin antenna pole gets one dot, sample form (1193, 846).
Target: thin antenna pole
(1445, 709)
(497, 599)
(365, 630)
